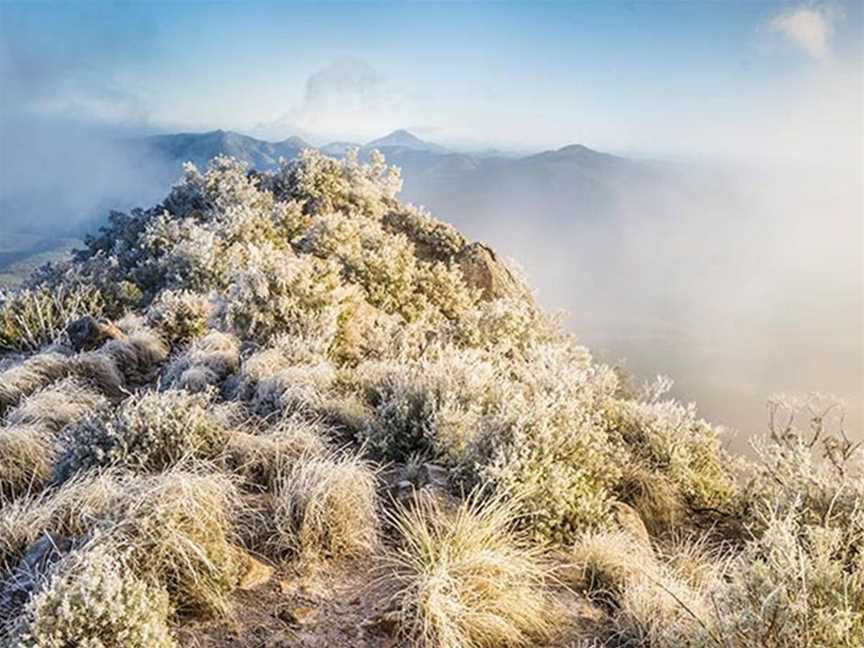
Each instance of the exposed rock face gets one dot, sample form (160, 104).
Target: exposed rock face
(483, 270)
(88, 333)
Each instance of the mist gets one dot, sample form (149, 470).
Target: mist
(737, 281)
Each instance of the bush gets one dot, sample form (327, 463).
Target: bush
(93, 599)
(179, 316)
(206, 363)
(468, 579)
(151, 431)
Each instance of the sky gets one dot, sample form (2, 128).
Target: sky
(691, 77)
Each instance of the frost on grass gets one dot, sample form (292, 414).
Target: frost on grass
(262, 322)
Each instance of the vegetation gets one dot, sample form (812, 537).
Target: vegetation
(263, 363)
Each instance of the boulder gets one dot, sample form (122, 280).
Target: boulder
(253, 573)
(86, 333)
(483, 271)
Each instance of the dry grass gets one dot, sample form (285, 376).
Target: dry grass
(467, 579)
(325, 506)
(27, 454)
(73, 510)
(57, 405)
(31, 375)
(179, 527)
(258, 457)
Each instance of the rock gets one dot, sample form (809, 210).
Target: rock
(299, 615)
(435, 475)
(483, 271)
(254, 573)
(88, 333)
(386, 623)
(629, 521)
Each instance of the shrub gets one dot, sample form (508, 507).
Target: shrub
(151, 431)
(30, 319)
(206, 363)
(797, 585)
(179, 315)
(468, 578)
(325, 506)
(93, 599)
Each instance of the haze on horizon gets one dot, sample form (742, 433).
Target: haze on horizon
(750, 278)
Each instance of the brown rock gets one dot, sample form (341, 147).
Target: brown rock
(386, 623)
(299, 615)
(254, 573)
(87, 333)
(483, 271)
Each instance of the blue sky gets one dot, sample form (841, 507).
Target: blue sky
(681, 77)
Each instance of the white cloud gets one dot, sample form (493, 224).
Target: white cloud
(810, 28)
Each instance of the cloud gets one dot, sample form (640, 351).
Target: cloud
(346, 98)
(810, 28)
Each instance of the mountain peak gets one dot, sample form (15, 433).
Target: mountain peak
(402, 138)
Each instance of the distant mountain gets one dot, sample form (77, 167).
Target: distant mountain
(403, 140)
(199, 148)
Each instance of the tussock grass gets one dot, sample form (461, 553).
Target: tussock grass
(259, 457)
(31, 375)
(207, 361)
(74, 510)
(178, 526)
(57, 405)
(27, 454)
(467, 579)
(325, 506)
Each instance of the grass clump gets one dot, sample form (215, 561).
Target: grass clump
(179, 316)
(27, 454)
(468, 578)
(93, 599)
(178, 526)
(151, 431)
(30, 319)
(325, 506)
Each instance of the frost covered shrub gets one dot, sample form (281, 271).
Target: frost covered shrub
(32, 318)
(179, 316)
(281, 293)
(806, 466)
(207, 362)
(799, 584)
(150, 432)
(93, 599)
(675, 460)
(432, 238)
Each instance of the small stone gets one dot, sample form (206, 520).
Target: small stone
(88, 333)
(386, 623)
(300, 615)
(254, 573)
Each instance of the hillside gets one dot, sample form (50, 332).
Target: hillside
(284, 408)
